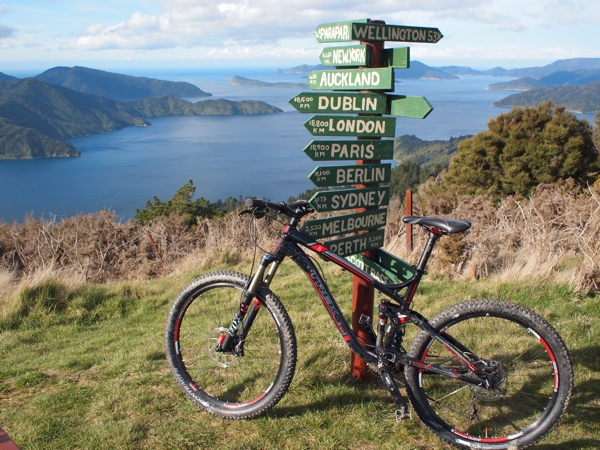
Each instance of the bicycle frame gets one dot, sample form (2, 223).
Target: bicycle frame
(289, 246)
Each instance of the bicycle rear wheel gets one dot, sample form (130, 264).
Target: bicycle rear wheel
(232, 386)
(529, 395)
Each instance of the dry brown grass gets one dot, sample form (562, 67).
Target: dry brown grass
(553, 234)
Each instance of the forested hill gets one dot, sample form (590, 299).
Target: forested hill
(36, 117)
(117, 86)
(4, 77)
(584, 98)
(428, 154)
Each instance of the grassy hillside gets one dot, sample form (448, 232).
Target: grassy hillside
(83, 364)
(117, 86)
(85, 368)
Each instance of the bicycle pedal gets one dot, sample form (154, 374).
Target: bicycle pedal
(403, 414)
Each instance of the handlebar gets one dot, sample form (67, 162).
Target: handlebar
(295, 210)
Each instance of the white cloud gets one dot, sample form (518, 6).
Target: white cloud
(190, 23)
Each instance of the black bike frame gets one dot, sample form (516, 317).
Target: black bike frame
(289, 246)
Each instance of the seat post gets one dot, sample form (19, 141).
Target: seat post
(434, 235)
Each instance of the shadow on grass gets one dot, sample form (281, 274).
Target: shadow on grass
(582, 413)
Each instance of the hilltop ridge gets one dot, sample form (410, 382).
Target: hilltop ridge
(117, 86)
(36, 117)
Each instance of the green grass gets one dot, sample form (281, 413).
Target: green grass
(87, 371)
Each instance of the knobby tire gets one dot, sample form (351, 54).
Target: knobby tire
(530, 396)
(222, 383)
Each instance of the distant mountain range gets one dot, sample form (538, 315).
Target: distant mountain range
(570, 82)
(4, 77)
(241, 81)
(36, 117)
(417, 70)
(576, 71)
(116, 86)
(584, 98)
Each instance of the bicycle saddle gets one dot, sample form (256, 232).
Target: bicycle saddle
(448, 226)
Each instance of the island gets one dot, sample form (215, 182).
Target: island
(117, 86)
(241, 81)
(580, 99)
(36, 117)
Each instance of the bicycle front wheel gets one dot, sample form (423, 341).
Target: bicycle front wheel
(529, 394)
(226, 384)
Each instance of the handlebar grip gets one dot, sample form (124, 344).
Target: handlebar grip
(255, 203)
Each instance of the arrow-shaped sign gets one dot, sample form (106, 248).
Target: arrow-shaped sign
(409, 106)
(344, 224)
(357, 244)
(371, 126)
(336, 31)
(377, 79)
(356, 174)
(336, 103)
(350, 198)
(351, 55)
(349, 150)
(398, 58)
(397, 33)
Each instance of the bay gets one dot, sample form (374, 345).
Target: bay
(258, 155)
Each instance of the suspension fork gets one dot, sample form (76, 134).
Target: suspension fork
(248, 308)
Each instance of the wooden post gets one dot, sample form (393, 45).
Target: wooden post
(363, 295)
(409, 227)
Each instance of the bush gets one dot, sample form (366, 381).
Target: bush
(522, 149)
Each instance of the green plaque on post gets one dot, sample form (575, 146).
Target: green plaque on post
(355, 174)
(373, 79)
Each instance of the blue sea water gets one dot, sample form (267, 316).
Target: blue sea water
(258, 155)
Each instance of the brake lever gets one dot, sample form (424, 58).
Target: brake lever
(257, 213)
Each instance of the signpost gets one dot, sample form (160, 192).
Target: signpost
(349, 150)
(345, 223)
(373, 126)
(381, 79)
(336, 103)
(351, 55)
(356, 174)
(368, 68)
(350, 198)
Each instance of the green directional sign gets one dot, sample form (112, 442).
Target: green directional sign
(351, 55)
(373, 269)
(336, 31)
(397, 33)
(356, 174)
(385, 267)
(349, 150)
(344, 224)
(409, 106)
(351, 126)
(350, 198)
(357, 243)
(377, 79)
(344, 103)
(398, 58)
(403, 270)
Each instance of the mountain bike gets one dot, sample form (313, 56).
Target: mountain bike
(486, 373)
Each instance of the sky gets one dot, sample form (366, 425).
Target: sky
(135, 35)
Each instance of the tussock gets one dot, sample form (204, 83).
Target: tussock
(553, 235)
